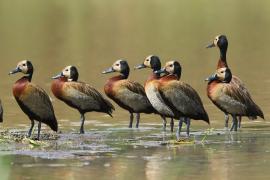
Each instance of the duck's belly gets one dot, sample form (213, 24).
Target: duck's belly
(157, 102)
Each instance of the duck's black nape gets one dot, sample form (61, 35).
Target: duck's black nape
(155, 63)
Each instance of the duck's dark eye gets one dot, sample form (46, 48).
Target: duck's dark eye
(147, 59)
(24, 64)
(222, 71)
(171, 65)
(117, 64)
(66, 70)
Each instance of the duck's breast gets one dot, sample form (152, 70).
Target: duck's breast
(57, 88)
(19, 88)
(154, 96)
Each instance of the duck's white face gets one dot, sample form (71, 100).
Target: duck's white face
(216, 40)
(22, 65)
(221, 73)
(117, 66)
(147, 61)
(67, 72)
(169, 67)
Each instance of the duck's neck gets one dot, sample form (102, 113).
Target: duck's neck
(157, 68)
(222, 59)
(116, 78)
(29, 77)
(125, 74)
(153, 76)
(169, 77)
(177, 74)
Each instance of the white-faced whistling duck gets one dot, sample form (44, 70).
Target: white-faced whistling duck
(181, 98)
(229, 98)
(32, 99)
(221, 42)
(127, 94)
(79, 95)
(151, 89)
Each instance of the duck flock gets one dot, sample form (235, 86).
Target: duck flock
(164, 94)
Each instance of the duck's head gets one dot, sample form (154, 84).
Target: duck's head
(120, 66)
(223, 75)
(171, 67)
(219, 41)
(152, 62)
(70, 73)
(24, 67)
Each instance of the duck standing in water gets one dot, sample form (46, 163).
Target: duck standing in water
(79, 95)
(222, 43)
(127, 94)
(151, 89)
(181, 98)
(229, 98)
(32, 99)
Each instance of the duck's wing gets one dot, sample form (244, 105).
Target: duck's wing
(135, 87)
(131, 95)
(184, 99)
(86, 97)
(238, 93)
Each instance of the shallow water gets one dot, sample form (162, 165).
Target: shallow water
(117, 152)
(92, 35)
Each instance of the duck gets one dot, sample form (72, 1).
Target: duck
(221, 42)
(229, 98)
(129, 95)
(180, 97)
(79, 95)
(32, 99)
(151, 89)
(1, 112)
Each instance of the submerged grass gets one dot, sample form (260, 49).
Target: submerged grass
(189, 140)
(206, 134)
(7, 137)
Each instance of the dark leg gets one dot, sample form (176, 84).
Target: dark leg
(188, 125)
(172, 124)
(39, 128)
(226, 121)
(164, 123)
(130, 120)
(138, 120)
(235, 123)
(31, 128)
(232, 127)
(180, 126)
(239, 122)
(82, 124)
